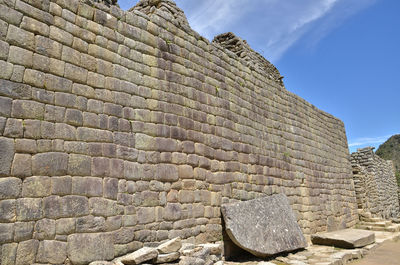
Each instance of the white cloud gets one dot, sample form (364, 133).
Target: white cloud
(270, 26)
(368, 141)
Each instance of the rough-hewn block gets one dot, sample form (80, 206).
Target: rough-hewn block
(27, 109)
(36, 187)
(8, 253)
(270, 220)
(103, 207)
(45, 229)
(87, 186)
(13, 128)
(26, 252)
(20, 56)
(100, 166)
(6, 155)
(98, 246)
(7, 70)
(10, 15)
(79, 165)
(53, 252)
(23, 231)
(22, 166)
(7, 211)
(19, 37)
(48, 47)
(34, 78)
(61, 36)
(29, 209)
(34, 26)
(67, 206)
(14, 89)
(4, 48)
(50, 164)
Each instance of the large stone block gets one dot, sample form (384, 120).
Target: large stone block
(7, 211)
(29, 209)
(6, 233)
(23, 231)
(6, 155)
(53, 252)
(8, 253)
(50, 164)
(27, 109)
(79, 165)
(26, 252)
(140, 256)
(19, 37)
(347, 238)
(103, 207)
(14, 89)
(10, 188)
(264, 226)
(45, 229)
(96, 247)
(68, 206)
(13, 128)
(20, 56)
(36, 187)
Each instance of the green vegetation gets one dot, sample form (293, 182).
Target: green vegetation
(390, 150)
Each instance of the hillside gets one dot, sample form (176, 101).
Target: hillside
(390, 150)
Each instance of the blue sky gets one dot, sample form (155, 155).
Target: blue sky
(343, 56)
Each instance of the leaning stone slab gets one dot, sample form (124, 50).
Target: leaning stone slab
(347, 238)
(166, 258)
(139, 256)
(170, 246)
(264, 226)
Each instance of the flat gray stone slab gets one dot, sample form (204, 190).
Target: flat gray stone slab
(264, 226)
(347, 238)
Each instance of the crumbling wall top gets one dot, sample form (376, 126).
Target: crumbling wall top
(167, 7)
(253, 59)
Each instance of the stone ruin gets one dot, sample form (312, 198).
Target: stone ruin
(375, 184)
(120, 130)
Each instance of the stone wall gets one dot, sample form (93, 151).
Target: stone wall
(376, 185)
(119, 129)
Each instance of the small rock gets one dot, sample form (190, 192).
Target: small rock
(202, 254)
(190, 251)
(170, 246)
(139, 256)
(215, 249)
(191, 261)
(165, 258)
(101, 263)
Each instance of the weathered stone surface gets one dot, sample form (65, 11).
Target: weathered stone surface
(6, 232)
(26, 252)
(191, 261)
(264, 226)
(139, 256)
(166, 258)
(50, 164)
(170, 246)
(29, 209)
(10, 188)
(98, 246)
(348, 238)
(6, 155)
(53, 252)
(8, 253)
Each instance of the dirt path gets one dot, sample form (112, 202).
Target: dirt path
(386, 254)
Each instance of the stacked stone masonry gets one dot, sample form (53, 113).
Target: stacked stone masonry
(121, 129)
(375, 183)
